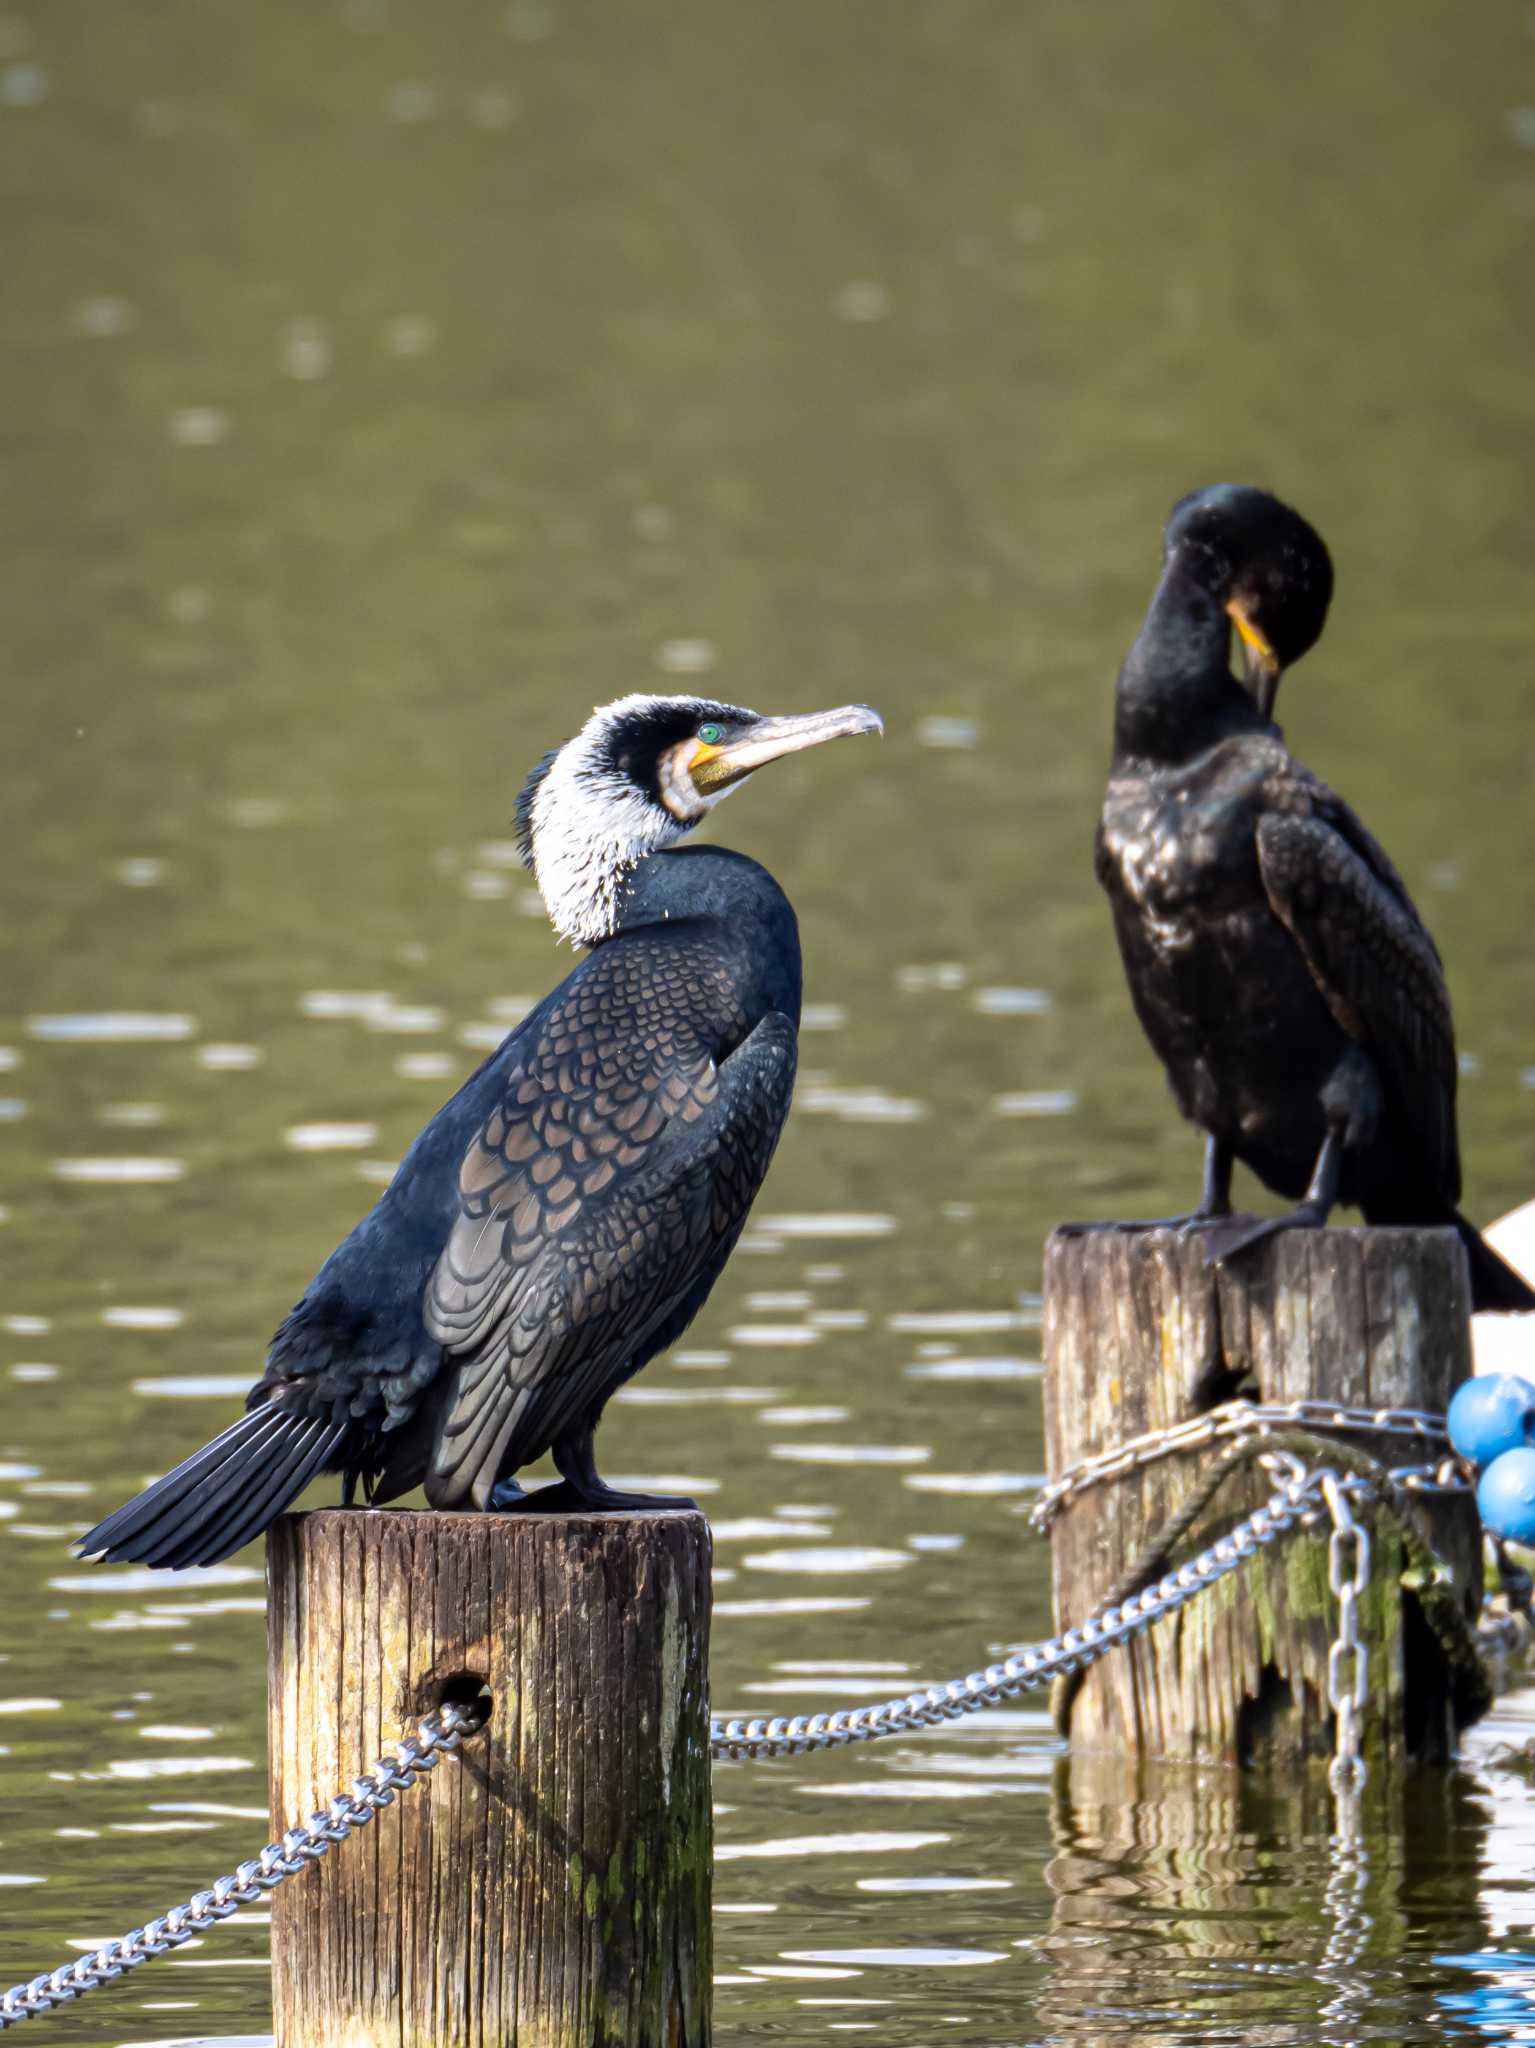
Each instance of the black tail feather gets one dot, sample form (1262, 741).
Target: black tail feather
(222, 1496)
(181, 1501)
(120, 1536)
(216, 1509)
(247, 1516)
(1494, 1283)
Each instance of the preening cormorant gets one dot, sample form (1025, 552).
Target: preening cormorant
(1275, 958)
(563, 1218)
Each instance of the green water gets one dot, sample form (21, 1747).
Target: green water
(383, 386)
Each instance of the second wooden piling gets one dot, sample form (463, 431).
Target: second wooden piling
(1140, 1333)
(549, 1885)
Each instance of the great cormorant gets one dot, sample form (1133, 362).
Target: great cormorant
(1275, 958)
(563, 1218)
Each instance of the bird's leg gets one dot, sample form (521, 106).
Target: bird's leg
(576, 1457)
(1215, 1195)
(1225, 1240)
(1352, 1102)
(1214, 1200)
(580, 1489)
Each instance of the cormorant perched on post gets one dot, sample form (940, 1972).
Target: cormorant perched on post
(1275, 959)
(564, 1217)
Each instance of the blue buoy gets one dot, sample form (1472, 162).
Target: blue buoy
(1492, 1413)
(1505, 1497)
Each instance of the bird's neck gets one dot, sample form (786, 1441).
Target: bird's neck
(734, 907)
(589, 831)
(581, 880)
(1176, 694)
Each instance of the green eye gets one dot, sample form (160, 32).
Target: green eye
(711, 735)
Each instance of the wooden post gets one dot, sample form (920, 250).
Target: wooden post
(548, 1886)
(1141, 1333)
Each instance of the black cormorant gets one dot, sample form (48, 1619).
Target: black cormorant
(563, 1218)
(1275, 959)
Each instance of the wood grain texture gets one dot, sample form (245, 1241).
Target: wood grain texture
(549, 1886)
(1140, 1333)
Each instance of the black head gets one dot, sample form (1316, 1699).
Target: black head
(638, 776)
(633, 752)
(1265, 564)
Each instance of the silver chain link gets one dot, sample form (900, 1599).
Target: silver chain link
(1348, 1661)
(1298, 1498)
(413, 1758)
(1348, 1858)
(1246, 1418)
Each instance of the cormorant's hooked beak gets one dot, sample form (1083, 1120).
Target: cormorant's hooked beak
(1263, 667)
(716, 768)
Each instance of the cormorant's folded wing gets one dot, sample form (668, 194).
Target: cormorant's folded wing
(600, 1199)
(1371, 956)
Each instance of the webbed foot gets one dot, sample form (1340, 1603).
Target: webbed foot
(1214, 1203)
(564, 1497)
(1240, 1233)
(607, 1497)
(583, 1486)
(1191, 1225)
(1321, 1198)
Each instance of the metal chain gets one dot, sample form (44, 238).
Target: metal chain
(1299, 1498)
(1239, 1418)
(1348, 1661)
(1348, 1857)
(1448, 1475)
(413, 1758)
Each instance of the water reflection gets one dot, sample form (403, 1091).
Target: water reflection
(1178, 1892)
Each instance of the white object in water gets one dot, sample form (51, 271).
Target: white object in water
(1507, 1343)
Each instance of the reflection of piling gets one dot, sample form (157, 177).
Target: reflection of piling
(1164, 1876)
(1141, 1334)
(551, 1882)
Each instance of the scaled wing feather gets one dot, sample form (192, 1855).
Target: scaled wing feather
(594, 1199)
(1370, 955)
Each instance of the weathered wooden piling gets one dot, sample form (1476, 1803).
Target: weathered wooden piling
(549, 1885)
(1140, 1333)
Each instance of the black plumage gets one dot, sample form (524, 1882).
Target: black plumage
(563, 1218)
(1275, 959)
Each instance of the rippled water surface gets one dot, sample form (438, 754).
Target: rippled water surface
(385, 384)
